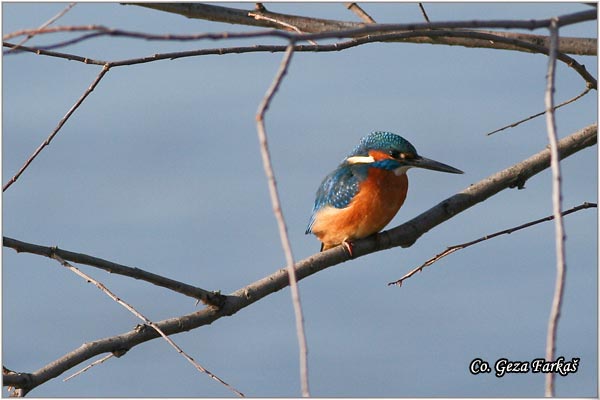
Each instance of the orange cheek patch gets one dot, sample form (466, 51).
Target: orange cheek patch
(379, 155)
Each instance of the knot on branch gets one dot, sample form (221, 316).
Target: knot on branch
(518, 182)
(17, 383)
(214, 299)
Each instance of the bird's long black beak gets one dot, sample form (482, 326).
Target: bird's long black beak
(422, 162)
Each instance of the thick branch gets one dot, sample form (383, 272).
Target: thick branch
(403, 235)
(241, 17)
(568, 45)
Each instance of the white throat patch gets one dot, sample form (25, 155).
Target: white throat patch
(360, 160)
(402, 170)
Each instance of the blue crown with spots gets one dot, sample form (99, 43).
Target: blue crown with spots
(382, 141)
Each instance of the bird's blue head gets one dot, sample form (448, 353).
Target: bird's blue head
(385, 142)
(389, 151)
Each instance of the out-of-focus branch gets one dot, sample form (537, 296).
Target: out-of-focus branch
(561, 266)
(404, 235)
(44, 25)
(276, 203)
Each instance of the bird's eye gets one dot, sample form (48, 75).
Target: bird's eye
(395, 154)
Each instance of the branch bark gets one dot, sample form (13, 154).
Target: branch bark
(403, 235)
(348, 29)
(207, 297)
(561, 267)
(473, 39)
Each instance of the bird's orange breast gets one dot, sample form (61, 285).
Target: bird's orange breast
(379, 198)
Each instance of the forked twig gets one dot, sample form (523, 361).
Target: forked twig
(564, 103)
(285, 241)
(146, 322)
(58, 127)
(452, 249)
(561, 267)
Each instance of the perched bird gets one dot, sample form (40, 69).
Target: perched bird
(362, 195)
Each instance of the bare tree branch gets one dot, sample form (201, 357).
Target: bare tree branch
(146, 321)
(58, 127)
(475, 39)
(424, 12)
(81, 371)
(241, 17)
(404, 235)
(345, 29)
(44, 25)
(561, 267)
(362, 14)
(591, 81)
(211, 298)
(283, 232)
(564, 103)
(452, 249)
(586, 46)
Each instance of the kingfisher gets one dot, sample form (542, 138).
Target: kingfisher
(362, 195)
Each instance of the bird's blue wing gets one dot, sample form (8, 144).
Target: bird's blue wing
(338, 189)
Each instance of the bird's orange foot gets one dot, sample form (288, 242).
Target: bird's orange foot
(348, 247)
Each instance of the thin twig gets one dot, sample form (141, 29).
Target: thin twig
(580, 95)
(283, 234)
(362, 14)
(81, 371)
(561, 267)
(451, 249)
(424, 12)
(58, 127)
(325, 29)
(44, 25)
(146, 321)
(283, 24)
